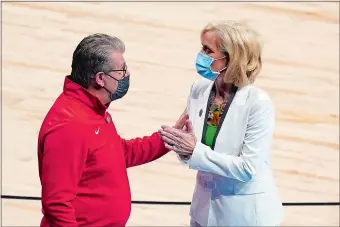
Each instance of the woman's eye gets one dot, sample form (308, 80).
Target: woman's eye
(206, 49)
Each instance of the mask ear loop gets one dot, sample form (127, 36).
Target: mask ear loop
(226, 55)
(107, 90)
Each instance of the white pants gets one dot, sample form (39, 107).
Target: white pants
(195, 224)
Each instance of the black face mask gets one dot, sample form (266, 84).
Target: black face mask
(122, 89)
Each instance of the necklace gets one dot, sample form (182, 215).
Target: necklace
(215, 110)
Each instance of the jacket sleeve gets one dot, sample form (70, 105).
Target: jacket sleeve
(63, 160)
(140, 151)
(256, 145)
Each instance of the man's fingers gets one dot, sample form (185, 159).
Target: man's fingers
(185, 146)
(176, 149)
(179, 143)
(185, 154)
(167, 146)
(164, 133)
(174, 131)
(181, 152)
(170, 135)
(168, 140)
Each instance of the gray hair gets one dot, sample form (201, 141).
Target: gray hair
(92, 55)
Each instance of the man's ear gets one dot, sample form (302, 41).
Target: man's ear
(99, 79)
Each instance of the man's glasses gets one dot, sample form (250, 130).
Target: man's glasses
(123, 70)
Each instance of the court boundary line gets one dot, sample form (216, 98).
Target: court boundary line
(145, 202)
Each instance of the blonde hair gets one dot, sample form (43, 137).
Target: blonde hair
(244, 48)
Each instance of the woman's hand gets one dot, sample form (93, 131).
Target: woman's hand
(180, 123)
(178, 140)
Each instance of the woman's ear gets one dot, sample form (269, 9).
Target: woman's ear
(227, 58)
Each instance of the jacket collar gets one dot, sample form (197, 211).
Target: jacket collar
(76, 91)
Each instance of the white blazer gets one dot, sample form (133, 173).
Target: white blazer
(234, 184)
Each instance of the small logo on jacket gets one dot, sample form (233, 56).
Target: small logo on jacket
(96, 131)
(108, 119)
(201, 111)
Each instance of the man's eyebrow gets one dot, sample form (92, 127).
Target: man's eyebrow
(120, 67)
(123, 66)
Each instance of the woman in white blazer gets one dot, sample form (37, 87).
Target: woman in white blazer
(228, 138)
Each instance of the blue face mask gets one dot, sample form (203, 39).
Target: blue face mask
(203, 66)
(122, 89)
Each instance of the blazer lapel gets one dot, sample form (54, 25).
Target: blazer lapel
(200, 114)
(234, 120)
(200, 110)
(241, 96)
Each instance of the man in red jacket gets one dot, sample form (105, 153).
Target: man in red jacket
(82, 159)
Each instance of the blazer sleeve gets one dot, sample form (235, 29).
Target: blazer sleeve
(256, 145)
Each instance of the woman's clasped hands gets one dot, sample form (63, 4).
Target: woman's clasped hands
(179, 138)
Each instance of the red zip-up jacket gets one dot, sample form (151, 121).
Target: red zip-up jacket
(83, 162)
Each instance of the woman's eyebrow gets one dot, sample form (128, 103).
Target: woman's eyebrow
(207, 46)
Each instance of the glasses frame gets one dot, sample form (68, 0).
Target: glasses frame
(124, 70)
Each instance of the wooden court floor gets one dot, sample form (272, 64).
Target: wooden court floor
(301, 73)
